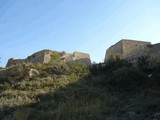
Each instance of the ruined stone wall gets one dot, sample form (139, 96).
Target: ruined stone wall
(43, 56)
(36, 57)
(130, 50)
(114, 50)
(47, 56)
(78, 57)
(67, 57)
(82, 57)
(155, 52)
(135, 48)
(13, 61)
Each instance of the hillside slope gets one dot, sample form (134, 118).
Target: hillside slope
(56, 91)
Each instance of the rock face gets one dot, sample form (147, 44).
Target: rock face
(30, 72)
(17, 73)
(11, 74)
(132, 50)
(14, 61)
(44, 56)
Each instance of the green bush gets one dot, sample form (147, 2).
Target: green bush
(143, 64)
(128, 79)
(114, 65)
(78, 69)
(5, 86)
(155, 75)
(56, 58)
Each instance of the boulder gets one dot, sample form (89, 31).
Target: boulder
(12, 74)
(17, 73)
(31, 73)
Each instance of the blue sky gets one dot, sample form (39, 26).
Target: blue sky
(91, 26)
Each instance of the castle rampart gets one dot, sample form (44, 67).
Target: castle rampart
(132, 47)
(44, 56)
(114, 50)
(14, 62)
(155, 52)
(82, 57)
(132, 50)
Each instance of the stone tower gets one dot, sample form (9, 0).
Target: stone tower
(132, 50)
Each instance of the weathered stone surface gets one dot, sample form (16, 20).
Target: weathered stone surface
(132, 50)
(12, 74)
(82, 57)
(30, 72)
(44, 56)
(14, 62)
(113, 51)
(17, 73)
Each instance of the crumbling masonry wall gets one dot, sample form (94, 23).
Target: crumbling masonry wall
(132, 50)
(82, 58)
(113, 51)
(44, 56)
(155, 52)
(14, 62)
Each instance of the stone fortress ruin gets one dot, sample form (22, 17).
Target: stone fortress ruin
(132, 50)
(44, 56)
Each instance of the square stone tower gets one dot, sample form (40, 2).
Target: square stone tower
(128, 49)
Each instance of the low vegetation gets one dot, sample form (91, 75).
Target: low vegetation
(72, 91)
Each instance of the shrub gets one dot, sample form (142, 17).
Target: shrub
(78, 69)
(5, 86)
(128, 79)
(114, 65)
(143, 64)
(56, 58)
(155, 75)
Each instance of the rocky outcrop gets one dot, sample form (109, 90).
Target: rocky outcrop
(17, 73)
(13, 74)
(14, 62)
(31, 73)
